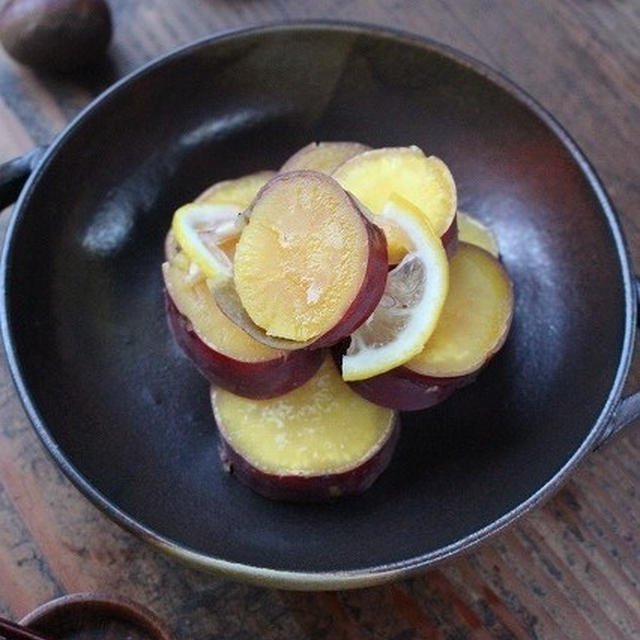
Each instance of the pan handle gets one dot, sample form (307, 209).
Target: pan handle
(14, 173)
(628, 408)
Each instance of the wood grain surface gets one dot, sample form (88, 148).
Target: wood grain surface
(569, 570)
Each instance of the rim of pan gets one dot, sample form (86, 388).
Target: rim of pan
(365, 576)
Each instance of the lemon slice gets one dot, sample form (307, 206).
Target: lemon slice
(473, 231)
(200, 229)
(407, 314)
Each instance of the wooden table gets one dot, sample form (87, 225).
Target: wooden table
(571, 569)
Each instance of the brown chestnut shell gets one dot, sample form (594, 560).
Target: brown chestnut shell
(56, 35)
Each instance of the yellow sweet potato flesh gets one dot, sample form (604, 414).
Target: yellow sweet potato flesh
(301, 260)
(475, 317)
(193, 299)
(325, 157)
(322, 427)
(425, 181)
(239, 191)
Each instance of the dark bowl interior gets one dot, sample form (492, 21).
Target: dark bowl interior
(128, 417)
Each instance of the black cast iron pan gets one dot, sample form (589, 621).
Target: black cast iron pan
(128, 418)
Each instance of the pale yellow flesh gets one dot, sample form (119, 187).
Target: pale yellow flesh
(229, 302)
(193, 299)
(373, 176)
(302, 259)
(325, 157)
(239, 192)
(474, 232)
(474, 320)
(320, 427)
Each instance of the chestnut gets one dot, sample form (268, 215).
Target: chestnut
(56, 35)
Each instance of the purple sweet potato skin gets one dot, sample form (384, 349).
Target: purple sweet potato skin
(318, 488)
(450, 238)
(256, 380)
(406, 390)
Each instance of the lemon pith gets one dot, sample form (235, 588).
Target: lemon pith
(409, 310)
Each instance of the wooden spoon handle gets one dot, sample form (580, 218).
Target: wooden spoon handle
(12, 631)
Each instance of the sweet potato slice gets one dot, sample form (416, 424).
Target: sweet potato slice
(238, 191)
(472, 327)
(318, 442)
(309, 265)
(325, 157)
(404, 390)
(475, 319)
(222, 352)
